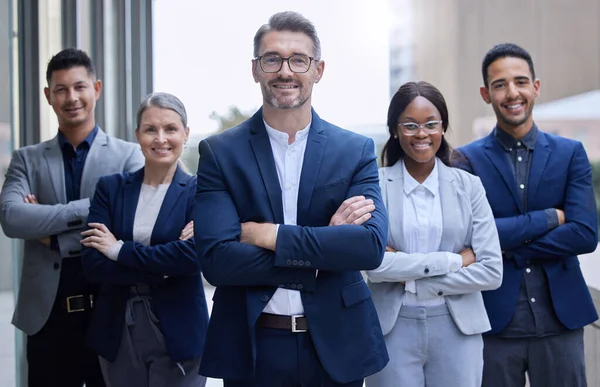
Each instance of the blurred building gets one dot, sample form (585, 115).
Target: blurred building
(450, 37)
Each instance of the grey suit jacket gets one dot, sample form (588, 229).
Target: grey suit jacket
(39, 170)
(467, 222)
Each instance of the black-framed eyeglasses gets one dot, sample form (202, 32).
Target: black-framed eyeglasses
(411, 128)
(272, 63)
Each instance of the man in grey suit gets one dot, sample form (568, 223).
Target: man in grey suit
(45, 201)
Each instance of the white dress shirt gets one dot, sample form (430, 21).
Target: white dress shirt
(422, 224)
(288, 160)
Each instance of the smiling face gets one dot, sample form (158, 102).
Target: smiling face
(512, 93)
(72, 93)
(161, 136)
(286, 89)
(421, 147)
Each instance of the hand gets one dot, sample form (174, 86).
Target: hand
(46, 241)
(355, 210)
(388, 249)
(259, 234)
(187, 232)
(561, 216)
(468, 257)
(98, 237)
(31, 199)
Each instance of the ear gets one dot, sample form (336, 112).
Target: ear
(47, 94)
(255, 69)
(320, 71)
(485, 94)
(137, 134)
(97, 88)
(187, 135)
(536, 87)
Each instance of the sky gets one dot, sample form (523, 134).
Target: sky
(203, 52)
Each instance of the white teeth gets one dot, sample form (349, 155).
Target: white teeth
(285, 87)
(513, 106)
(421, 146)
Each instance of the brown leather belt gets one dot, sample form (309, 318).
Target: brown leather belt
(276, 321)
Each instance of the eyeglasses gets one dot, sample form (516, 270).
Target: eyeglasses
(411, 128)
(272, 63)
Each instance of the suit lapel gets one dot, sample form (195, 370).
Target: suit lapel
(261, 147)
(497, 156)
(94, 158)
(313, 157)
(450, 210)
(131, 196)
(171, 198)
(394, 185)
(541, 153)
(56, 169)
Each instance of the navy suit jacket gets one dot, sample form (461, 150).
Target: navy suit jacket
(560, 177)
(179, 300)
(237, 182)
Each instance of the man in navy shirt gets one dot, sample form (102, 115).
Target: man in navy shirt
(45, 201)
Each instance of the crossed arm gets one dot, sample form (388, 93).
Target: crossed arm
(262, 254)
(126, 263)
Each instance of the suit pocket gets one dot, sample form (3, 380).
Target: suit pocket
(331, 185)
(355, 293)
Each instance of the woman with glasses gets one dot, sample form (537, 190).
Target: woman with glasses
(443, 250)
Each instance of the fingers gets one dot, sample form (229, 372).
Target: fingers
(361, 209)
(362, 219)
(349, 202)
(31, 199)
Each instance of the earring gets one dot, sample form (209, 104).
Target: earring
(396, 136)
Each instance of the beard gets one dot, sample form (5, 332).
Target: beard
(517, 121)
(286, 104)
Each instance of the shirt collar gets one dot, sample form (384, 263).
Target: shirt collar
(283, 137)
(508, 142)
(62, 140)
(432, 183)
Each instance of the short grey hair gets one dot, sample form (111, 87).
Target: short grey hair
(163, 101)
(289, 21)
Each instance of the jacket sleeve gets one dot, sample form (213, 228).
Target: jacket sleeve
(579, 234)
(97, 267)
(345, 247)
(486, 272)
(34, 221)
(225, 260)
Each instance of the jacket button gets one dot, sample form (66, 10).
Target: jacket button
(295, 262)
(440, 293)
(307, 263)
(288, 262)
(264, 298)
(299, 286)
(56, 266)
(293, 286)
(300, 263)
(281, 285)
(426, 271)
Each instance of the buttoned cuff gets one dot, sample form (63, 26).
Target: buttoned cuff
(114, 250)
(552, 218)
(410, 286)
(454, 262)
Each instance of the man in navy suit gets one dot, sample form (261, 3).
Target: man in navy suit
(540, 189)
(288, 211)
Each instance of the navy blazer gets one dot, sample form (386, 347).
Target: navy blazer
(179, 299)
(237, 182)
(560, 177)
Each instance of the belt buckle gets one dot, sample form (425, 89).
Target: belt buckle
(295, 324)
(69, 310)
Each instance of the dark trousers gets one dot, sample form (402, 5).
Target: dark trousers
(551, 361)
(287, 359)
(57, 355)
